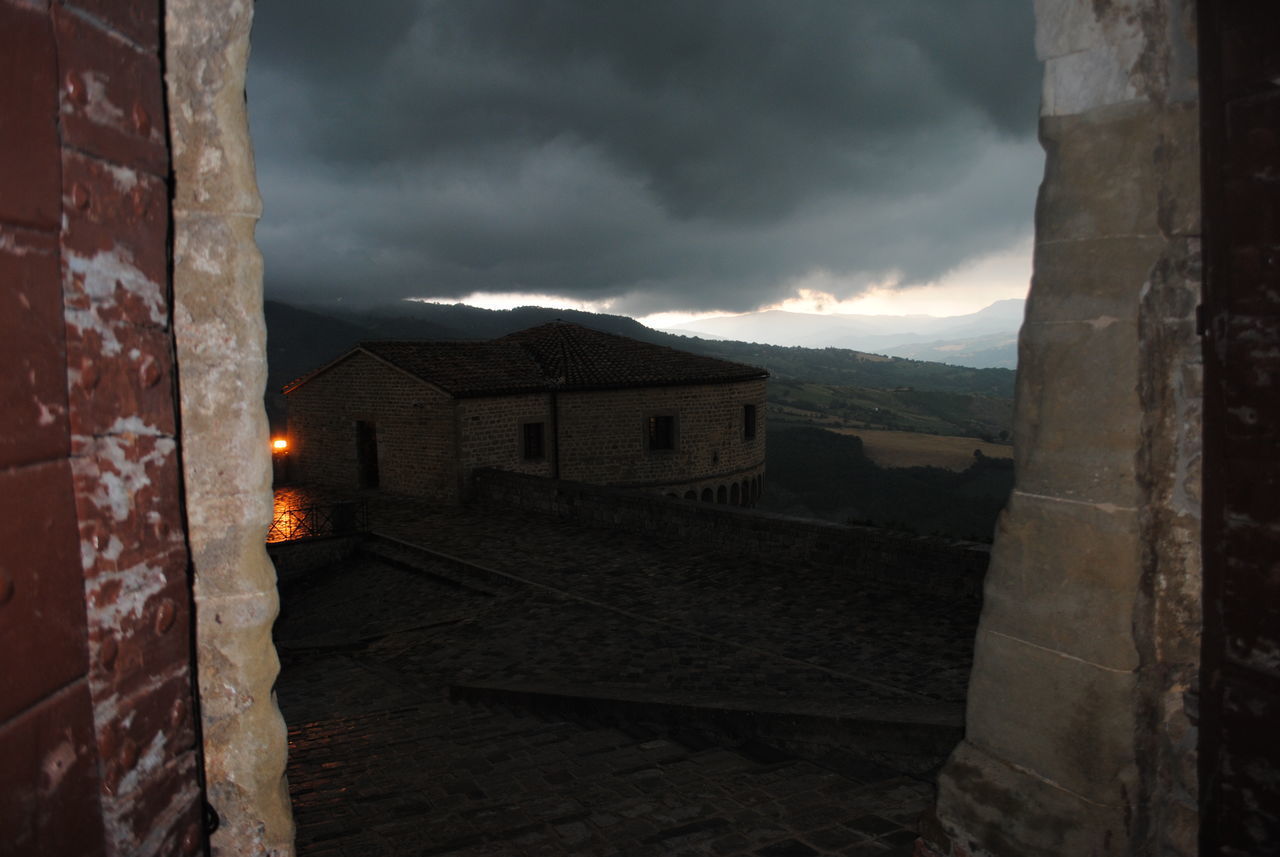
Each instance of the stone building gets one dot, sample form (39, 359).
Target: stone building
(1124, 693)
(559, 400)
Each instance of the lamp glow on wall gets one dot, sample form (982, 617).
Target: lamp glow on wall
(279, 445)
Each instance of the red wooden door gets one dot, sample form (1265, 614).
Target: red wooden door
(98, 751)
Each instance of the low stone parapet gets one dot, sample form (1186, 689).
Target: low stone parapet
(944, 566)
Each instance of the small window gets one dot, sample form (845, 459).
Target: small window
(532, 441)
(662, 432)
(748, 422)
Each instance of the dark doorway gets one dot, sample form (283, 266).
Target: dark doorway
(367, 453)
(1240, 675)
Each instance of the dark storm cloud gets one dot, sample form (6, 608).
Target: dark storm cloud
(681, 154)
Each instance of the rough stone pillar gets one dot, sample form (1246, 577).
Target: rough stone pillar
(1076, 740)
(222, 372)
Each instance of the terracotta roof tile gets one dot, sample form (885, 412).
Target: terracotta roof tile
(464, 368)
(577, 357)
(555, 356)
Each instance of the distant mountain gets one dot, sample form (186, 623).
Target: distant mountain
(874, 333)
(995, 350)
(302, 339)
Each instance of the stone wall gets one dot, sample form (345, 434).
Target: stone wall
(490, 431)
(1077, 741)
(221, 356)
(937, 565)
(599, 436)
(414, 424)
(296, 559)
(603, 440)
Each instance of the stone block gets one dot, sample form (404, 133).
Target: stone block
(1178, 160)
(112, 100)
(1091, 279)
(1065, 576)
(212, 153)
(1065, 720)
(245, 764)
(231, 456)
(218, 309)
(1096, 77)
(1069, 26)
(988, 806)
(29, 169)
(1101, 178)
(1078, 413)
(231, 561)
(33, 387)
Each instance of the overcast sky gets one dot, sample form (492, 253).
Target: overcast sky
(645, 156)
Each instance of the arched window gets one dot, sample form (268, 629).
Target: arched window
(706, 495)
(735, 498)
(722, 496)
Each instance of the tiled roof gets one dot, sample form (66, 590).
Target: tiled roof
(464, 368)
(555, 356)
(574, 357)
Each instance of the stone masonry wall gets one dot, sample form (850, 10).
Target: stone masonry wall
(221, 357)
(490, 432)
(603, 440)
(415, 425)
(937, 565)
(1076, 738)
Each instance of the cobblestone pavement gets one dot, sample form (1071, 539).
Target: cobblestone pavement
(382, 763)
(864, 633)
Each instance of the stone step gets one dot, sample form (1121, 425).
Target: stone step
(445, 569)
(868, 741)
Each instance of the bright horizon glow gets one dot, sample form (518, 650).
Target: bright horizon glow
(512, 300)
(972, 286)
(968, 288)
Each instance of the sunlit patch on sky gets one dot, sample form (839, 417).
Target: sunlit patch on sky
(974, 285)
(511, 300)
(966, 289)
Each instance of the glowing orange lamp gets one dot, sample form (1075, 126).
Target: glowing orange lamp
(279, 445)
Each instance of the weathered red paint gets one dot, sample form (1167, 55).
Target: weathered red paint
(105, 78)
(49, 779)
(42, 628)
(136, 20)
(96, 724)
(29, 171)
(33, 386)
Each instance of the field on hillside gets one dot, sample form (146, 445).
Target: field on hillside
(913, 449)
(904, 409)
(814, 472)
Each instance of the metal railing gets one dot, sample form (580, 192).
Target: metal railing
(330, 519)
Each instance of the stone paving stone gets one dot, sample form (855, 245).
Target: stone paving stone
(382, 763)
